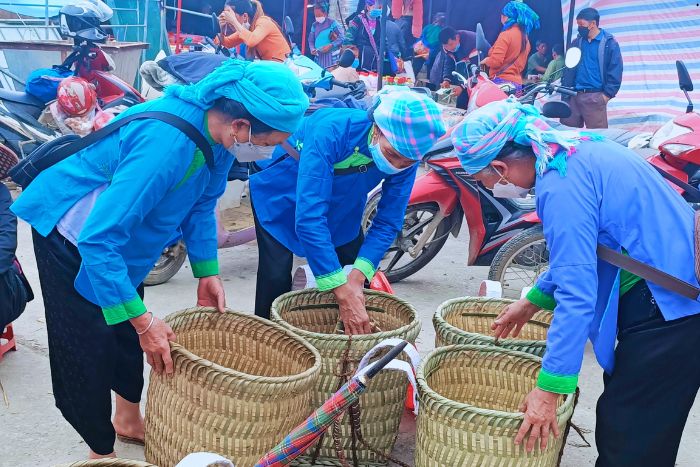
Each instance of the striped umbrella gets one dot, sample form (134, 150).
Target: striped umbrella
(306, 434)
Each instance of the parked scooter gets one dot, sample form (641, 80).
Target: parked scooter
(446, 194)
(20, 129)
(518, 264)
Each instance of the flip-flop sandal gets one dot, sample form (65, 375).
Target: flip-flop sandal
(130, 440)
(8, 159)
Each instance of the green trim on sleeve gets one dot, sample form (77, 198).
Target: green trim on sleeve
(556, 383)
(205, 268)
(541, 299)
(331, 281)
(121, 312)
(366, 267)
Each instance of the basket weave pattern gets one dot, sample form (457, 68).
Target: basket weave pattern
(108, 463)
(469, 397)
(240, 384)
(468, 321)
(313, 315)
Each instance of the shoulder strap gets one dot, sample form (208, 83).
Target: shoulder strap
(371, 36)
(181, 124)
(648, 273)
(523, 45)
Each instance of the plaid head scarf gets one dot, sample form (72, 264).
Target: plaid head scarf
(521, 14)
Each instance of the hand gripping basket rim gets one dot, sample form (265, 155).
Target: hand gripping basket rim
(428, 392)
(342, 338)
(204, 363)
(439, 321)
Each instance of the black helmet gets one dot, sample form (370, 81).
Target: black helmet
(82, 20)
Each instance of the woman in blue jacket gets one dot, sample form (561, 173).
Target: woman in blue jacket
(102, 217)
(313, 207)
(592, 191)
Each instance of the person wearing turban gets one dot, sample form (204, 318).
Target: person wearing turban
(591, 192)
(102, 217)
(310, 199)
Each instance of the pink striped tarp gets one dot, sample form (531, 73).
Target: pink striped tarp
(652, 35)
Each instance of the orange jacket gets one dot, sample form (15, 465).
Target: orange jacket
(265, 39)
(508, 47)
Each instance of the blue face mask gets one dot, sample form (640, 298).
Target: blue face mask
(356, 63)
(375, 14)
(456, 48)
(382, 162)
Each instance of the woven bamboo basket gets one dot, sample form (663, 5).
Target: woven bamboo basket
(241, 383)
(108, 463)
(469, 397)
(468, 320)
(313, 315)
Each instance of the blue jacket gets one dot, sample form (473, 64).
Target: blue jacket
(613, 197)
(610, 60)
(156, 181)
(8, 230)
(311, 211)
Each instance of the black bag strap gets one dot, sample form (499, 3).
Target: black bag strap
(648, 273)
(694, 193)
(294, 154)
(181, 124)
(523, 46)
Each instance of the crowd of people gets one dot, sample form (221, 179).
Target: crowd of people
(101, 217)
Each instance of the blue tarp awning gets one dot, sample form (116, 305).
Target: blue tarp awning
(33, 8)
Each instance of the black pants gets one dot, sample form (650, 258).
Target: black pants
(13, 297)
(275, 264)
(88, 357)
(645, 403)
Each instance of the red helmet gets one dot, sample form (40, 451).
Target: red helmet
(76, 96)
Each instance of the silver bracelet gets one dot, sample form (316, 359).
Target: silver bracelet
(147, 327)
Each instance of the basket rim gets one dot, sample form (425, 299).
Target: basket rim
(437, 397)
(275, 316)
(439, 321)
(205, 363)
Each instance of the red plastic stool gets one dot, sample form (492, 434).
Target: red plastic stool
(9, 335)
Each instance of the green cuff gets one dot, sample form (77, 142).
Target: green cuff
(366, 267)
(121, 312)
(556, 383)
(205, 268)
(331, 281)
(541, 299)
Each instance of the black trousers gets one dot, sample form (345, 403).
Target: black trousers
(13, 297)
(275, 264)
(88, 357)
(646, 401)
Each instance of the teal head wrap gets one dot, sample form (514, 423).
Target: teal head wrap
(268, 90)
(483, 133)
(522, 15)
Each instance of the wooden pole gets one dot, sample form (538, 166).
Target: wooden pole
(303, 27)
(382, 44)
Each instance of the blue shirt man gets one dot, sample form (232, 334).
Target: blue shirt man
(588, 75)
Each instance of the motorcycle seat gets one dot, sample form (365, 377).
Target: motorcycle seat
(20, 98)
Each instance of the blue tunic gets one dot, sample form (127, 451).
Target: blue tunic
(156, 181)
(311, 211)
(610, 196)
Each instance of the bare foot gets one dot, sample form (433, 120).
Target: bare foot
(93, 455)
(128, 422)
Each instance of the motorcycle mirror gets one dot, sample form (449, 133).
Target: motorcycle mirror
(573, 57)
(288, 26)
(482, 45)
(215, 26)
(684, 80)
(556, 109)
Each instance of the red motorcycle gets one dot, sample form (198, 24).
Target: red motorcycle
(518, 264)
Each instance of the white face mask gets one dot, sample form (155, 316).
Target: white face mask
(320, 19)
(249, 152)
(246, 25)
(508, 190)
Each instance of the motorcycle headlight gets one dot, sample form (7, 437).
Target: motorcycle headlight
(676, 149)
(667, 132)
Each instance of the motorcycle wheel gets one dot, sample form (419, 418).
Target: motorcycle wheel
(520, 261)
(416, 218)
(168, 264)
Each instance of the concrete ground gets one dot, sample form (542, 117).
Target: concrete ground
(33, 433)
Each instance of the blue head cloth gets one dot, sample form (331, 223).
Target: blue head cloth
(521, 14)
(410, 121)
(483, 133)
(268, 90)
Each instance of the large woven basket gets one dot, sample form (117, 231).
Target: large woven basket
(108, 463)
(468, 320)
(313, 315)
(470, 395)
(241, 383)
